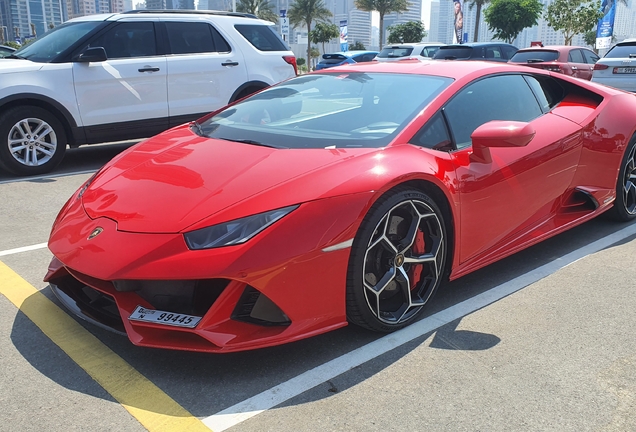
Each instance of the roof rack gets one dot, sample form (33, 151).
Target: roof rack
(189, 11)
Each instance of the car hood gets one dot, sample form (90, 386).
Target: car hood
(8, 65)
(174, 180)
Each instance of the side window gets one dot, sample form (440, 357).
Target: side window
(548, 91)
(576, 56)
(262, 37)
(493, 53)
(128, 39)
(190, 37)
(429, 51)
(590, 56)
(504, 97)
(508, 51)
(434, 134)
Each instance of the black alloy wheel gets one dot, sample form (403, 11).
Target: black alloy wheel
(397, 261)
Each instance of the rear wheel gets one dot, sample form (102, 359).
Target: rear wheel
(397, 261)
(625, 204)
(32, 141)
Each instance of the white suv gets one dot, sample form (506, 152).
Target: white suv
(618, 67)
(114, 77)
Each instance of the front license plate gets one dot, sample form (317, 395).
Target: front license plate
(162, 317)
(625, 70)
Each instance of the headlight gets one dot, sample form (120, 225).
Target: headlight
(234, 232)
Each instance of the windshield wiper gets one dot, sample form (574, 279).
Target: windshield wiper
(249, 141)
(198, 127)
(14, 56)
(534, 61)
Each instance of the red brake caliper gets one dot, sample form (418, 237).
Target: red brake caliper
(418, 248)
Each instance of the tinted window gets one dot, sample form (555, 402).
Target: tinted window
(590, 56)
(622, 51)
(190, 38)
(454, 52)
(505, 97)
(434, 134)
(429, 51)
(534, 56)
(548, 90)
(395, 52)
(493, 53)
(328, 110)
(509, 51)
(130, 39)
(262, 37)
(576, 56)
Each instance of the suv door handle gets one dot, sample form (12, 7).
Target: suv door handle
(229, 63)
(574, 68)
(148, 69)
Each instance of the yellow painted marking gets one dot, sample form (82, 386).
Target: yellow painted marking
(154, 409)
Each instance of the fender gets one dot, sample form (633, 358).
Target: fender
(74, 133)
(259, 84)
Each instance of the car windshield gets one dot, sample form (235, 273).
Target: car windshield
(395, 52)
(47, 47)
(534, 56)
(622, 51)
(327, 111)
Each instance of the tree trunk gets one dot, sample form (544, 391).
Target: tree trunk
(308, 47)
(381, 29)
(477, 16)
(568, 39)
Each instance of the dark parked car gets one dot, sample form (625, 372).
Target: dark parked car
(348, 57)
(569, 60)
(491, 51)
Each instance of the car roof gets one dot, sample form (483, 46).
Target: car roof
(443, 68)
(476, 44)
(559, 48)
(411, 44)
(176, 13)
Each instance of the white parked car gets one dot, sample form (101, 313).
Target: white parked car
(618, 67)
(408, 51)
(112, 77)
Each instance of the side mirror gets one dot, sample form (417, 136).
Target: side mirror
(499, 134)
(94, 54)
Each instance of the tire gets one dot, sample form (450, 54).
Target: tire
(624, 208)
(32, 141)
(397, 261)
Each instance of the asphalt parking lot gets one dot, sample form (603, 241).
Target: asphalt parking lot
(542, 341)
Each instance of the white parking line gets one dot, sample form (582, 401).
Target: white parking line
(276, 395)
(23, 249)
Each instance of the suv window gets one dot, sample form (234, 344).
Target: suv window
(622, 51)
(128, 39)
(395, 52)
(262, 37)
(576, 56)
(509, 51)
(190, 37)
(493, 53)
(454, 52)
(429, 51)
(504, 97)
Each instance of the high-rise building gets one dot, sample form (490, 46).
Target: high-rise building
(31, 17)
(413, 14)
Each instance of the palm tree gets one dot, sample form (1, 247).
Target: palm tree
(305, 12)
(383, 7)
(261, 8)
(479, 4)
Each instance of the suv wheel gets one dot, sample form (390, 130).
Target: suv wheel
(32, 141)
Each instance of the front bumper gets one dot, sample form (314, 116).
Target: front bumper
(276, 288)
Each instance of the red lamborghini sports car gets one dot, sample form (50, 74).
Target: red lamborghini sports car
(341, 196)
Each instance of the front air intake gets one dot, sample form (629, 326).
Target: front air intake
(254, 307)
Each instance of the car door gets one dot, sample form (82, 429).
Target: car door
(204, 69)
(590, 58)
(578, 65)
(129, 86)
(521, 187)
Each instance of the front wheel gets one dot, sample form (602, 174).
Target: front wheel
(397, 261)
(624, 208)
(32, 141)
